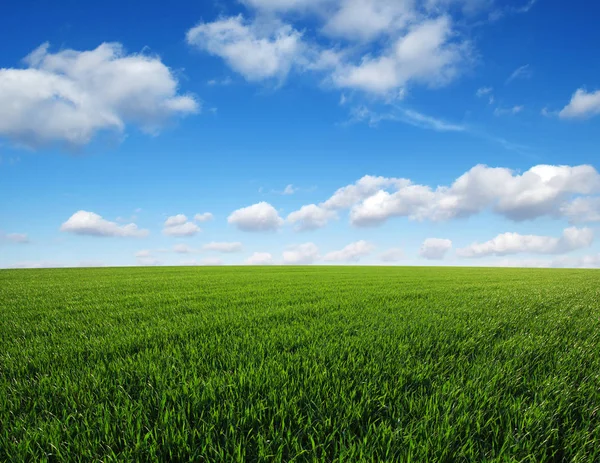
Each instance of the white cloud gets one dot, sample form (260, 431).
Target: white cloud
(352, 252)
(508, 111)
(256, 50)
(514, 243)
(435, 248)
(306, 253)
(583, 209)
(143, 253)
(376, 46)
(260, 258)
(540, 191)
(20, 238)
(178, 225)
(543, 190)
(89, 223)
(310, 217)
(426, 54)
(69, 96)
(582, 105)
(223, 246)
(392, 255)
(366, 186)
(367, 19)
(204, 217)
(523, 72)
(258, 217)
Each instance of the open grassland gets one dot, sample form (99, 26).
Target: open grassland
(300, 364)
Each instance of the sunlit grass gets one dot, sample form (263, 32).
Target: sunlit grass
(300, 364)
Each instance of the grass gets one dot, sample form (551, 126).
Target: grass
(300, 364)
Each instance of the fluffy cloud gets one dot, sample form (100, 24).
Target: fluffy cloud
(20, 238)
(178, 225)
(583, 209)
(392, 255)
(368, 185)
(426, 54)
(385, 46)
(352, 252)
(204, 217)
(260, 258)
(582, 105)
(258, 217)
(257, 51)
(223, 246)
(435, 248)
(89, 223)
(365, 20)
(514, 243)
(143, 253)
(543, 190)
(310, 217)
(69, 96)
(306, 253)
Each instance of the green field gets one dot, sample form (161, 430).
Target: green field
(300, 364)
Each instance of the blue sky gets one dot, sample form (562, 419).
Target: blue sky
(439, 132)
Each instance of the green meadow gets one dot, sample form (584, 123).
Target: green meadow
(323, 364)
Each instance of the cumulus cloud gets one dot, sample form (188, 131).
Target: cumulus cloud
(426, 54)
(256, 50)
(435, 248)
(513, 243)
(260, 258)
(410, 43)
(178, 225)
(223, 246)
(583, 104)
(392, 255)
(306, 253)
(582, 209)
(368, 185)
(351, 252)
(69, 96)
(89, 223)
(258, 217)
(543, 190)
(310, 217)
(204, 217)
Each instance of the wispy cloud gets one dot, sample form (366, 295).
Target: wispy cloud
(523, 72)
(407, 116)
